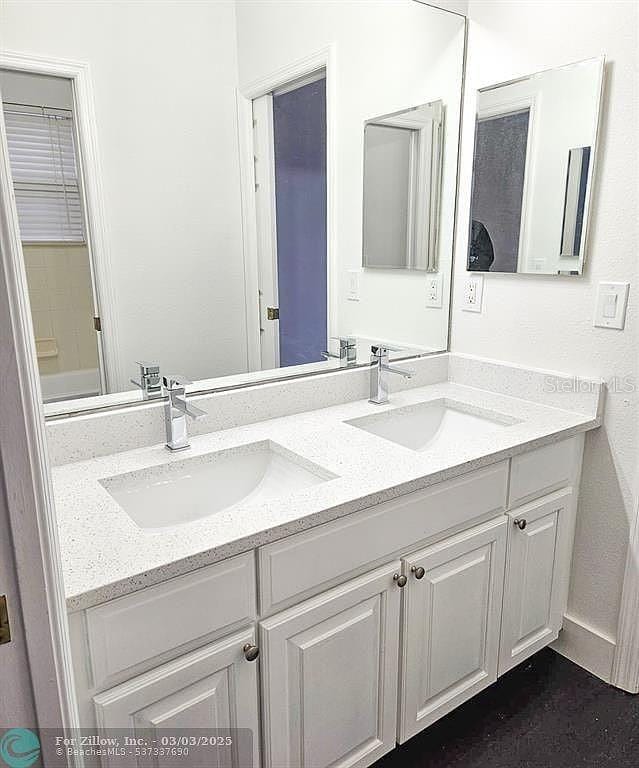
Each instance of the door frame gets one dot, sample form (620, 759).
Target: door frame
(267, 274)
(625, 667)
(93, 198)
(29, 494)
(324, 59)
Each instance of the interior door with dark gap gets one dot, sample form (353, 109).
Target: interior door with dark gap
(299, 137)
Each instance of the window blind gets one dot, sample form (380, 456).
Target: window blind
(45, 178)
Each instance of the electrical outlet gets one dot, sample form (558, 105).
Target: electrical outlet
(473, 293)
(434, 291)
(353, 284)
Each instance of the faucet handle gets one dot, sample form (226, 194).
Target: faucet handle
(380, 354)
(175, 381)
(347, 350)
(149, 381)
(147, 368)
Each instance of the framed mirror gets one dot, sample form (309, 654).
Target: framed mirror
(402, 178)
(533, 165)
(198, 210)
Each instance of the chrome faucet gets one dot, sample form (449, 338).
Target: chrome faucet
(176, 409)
(379, 367)
(347, 351)
(150, 382)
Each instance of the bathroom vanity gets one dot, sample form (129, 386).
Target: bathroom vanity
(422, 550)
(328, 558)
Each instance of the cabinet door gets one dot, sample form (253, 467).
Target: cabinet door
(537, 575)
(329, 684)
(214, 688)
(451, 622)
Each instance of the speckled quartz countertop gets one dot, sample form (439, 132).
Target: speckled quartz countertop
(106, 555)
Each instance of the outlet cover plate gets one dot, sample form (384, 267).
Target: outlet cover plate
(473, 295)
(434, 291)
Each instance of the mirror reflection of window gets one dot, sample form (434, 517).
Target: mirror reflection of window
(39, 119)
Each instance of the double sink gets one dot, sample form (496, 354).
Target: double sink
(186, 490)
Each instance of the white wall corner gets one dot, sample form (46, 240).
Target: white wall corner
(586, 646)
(456, 6)
(625, 669)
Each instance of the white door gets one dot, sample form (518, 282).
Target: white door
(264, 160)
(212, 691)
(451, 620)
(329, 676)
(536, 577)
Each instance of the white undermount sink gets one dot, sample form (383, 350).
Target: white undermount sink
(435, 424)
(183, 491)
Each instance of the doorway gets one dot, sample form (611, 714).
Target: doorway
(291, 208)
(41, 125)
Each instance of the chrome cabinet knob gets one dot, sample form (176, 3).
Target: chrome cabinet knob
(520, 523)
(400, 579)
(418, 571)
(251, 652)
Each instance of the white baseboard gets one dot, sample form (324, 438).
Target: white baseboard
(587, 647)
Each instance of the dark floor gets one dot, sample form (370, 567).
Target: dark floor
(546, 713)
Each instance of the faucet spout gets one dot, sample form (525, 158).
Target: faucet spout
(407, 373)
(380, 366)
(188, 409)
(176, 410)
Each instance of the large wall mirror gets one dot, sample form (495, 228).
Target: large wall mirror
(535, 143)
(189, 182)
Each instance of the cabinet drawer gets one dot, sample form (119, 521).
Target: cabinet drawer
(299, 564)
(544, 470)
(136, 628)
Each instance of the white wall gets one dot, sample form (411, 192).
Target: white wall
(164, 83)
(547, 322)
(389, 56)
(455, 6)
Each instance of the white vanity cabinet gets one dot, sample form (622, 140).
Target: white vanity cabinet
(538, 570)
(369, 627)
(451, 624)
(329, 675)
(206, 692)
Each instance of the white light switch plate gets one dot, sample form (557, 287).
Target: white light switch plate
(353, 284)
(610, 310)
(434, 291)
(473, 293)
